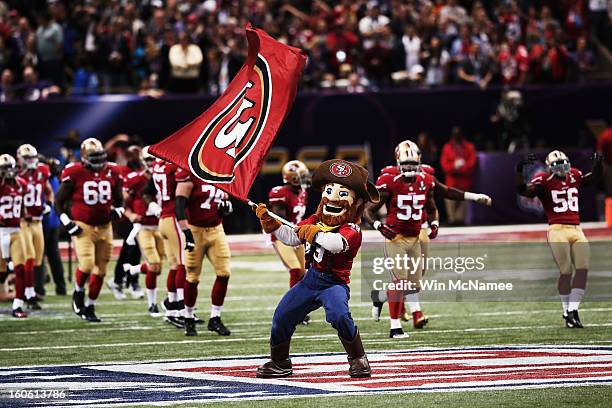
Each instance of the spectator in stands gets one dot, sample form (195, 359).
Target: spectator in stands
(412, 47)
(376, 33)
(434, 60)
(185, 60)
(477, 68)
(49, 44)
(33, 89)
(7, 87)
(583, 59)
(513, 62)
(458, 160)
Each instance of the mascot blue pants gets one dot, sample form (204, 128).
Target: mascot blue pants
(316, 289)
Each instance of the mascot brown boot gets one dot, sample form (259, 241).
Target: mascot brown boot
(359, 366)
(279, 364)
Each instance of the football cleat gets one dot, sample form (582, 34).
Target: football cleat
(116, 289)
(78, 302)
(306, 321)
(197, 320)
(33, 303)
(397, 334)
(568, 322)
(405, 316)
(575, 319)
(175, 321)
(154, 311)
(216, 325)
(90, 314)
(136, 291)
(419, 320)
(376, 310)
(19, 313)
(190, 327)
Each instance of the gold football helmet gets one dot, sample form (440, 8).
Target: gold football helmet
(147, 159)
(558, 163)
(296, 173)
(27, 156)
(408, 158)
(93, 154)
(8, 167)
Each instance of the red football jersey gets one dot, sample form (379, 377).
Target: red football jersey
(11, 202)
(560, 196)
(134, 183)
(203, 203)
(164, 176)
(92, 197)
(407, 199)
(340, 264)
(294, 203)
(33, 199)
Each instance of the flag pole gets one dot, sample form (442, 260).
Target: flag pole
(275, 216)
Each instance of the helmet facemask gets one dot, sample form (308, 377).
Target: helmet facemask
(29, 162)
(409, 168)
(95, 161)
(8, 171)
(560, 168)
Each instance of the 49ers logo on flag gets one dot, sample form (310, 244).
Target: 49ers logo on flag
(226, 145)
(231, 135)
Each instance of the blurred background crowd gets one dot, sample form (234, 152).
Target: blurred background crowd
(152, 47)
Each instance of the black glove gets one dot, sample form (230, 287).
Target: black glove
(117, 213)
(597, 158)
(189, 241)
(225, 208)
(73, 229)
(530, 158)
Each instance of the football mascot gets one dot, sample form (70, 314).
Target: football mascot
(335, 237)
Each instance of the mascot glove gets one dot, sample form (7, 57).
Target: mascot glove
(268, 223)
(307, 233)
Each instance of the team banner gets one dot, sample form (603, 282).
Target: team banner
(227, 144)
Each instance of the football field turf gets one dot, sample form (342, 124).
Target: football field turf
(459, 330)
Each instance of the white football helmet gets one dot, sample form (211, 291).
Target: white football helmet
(408, 158)
(147, 159)
(27, 156)
(8, 167)
(296, 173)
(558, 163)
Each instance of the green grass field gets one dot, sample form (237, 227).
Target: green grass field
(56, 336)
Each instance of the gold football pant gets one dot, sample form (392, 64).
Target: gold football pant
(212, 243)
(151, 244)
(174, 241)
(569, 247)
(292, 257)
(424, 240)
(412, 270)
(94, 247)
(13, 247)
(34, 240)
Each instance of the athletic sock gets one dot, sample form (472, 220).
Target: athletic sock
(19, 282)
(89, 301)
(219, 290)
(150, 280)
(396, 323)
(81, 280)
(17, 303)
(172, 297)
(191, 294)
(28, 277)
(294, 277)
(171, 282)
(575, 297)
(179, 282)
(95, 285)
(412, 299)
(30, 292)
(151, 296)
(215, 311)
(564, 303)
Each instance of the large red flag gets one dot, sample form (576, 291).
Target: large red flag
(227, 144)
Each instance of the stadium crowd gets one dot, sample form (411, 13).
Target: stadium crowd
(59, 47)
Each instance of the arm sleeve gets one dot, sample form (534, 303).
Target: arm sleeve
(287, 236)
(332, 242)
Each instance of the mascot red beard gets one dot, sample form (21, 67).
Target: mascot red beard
(335, 236)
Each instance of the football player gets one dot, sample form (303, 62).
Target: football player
(164, 177)
(558, 189)
(12, 245)
(406, 195)
(199, 211)
(88, 199)
(441, 191)
(37, 201)
(289, 202)
(143, 212)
